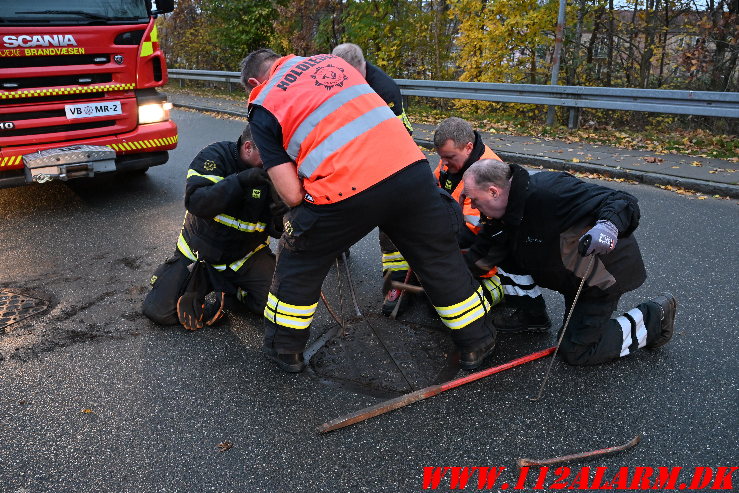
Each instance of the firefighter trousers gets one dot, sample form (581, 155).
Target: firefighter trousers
(420, 219)
(593, 337)
(251, 284)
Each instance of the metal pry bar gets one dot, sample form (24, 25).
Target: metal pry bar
(582, 455)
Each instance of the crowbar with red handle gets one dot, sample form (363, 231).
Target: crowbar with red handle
(425, 393)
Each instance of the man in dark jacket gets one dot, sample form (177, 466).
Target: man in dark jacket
(232, 211)
(544, 224)
(378, 80)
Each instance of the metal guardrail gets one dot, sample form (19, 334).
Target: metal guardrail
(699, 103)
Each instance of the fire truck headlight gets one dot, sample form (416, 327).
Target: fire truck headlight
(154, 112)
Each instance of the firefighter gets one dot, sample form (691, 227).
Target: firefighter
(379, 81)
(458, 146)
(232, 211)
(545, 224)
(523, 307)
(320, 129)
(392, 261)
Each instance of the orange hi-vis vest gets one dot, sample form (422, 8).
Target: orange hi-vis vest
(334, 126)
(471, 215)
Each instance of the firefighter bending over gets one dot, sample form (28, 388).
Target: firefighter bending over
(232, 210)
(544, 224)
(320, 129)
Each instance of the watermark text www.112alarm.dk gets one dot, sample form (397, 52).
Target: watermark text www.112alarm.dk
(578, 478)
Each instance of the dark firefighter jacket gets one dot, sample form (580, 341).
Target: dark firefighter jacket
(388, 90)
(225, 222)
(546, 215)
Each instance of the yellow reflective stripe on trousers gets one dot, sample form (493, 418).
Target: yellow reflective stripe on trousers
(235, 266)
(495, 288)
(464, 313)
(394, 261)
(293, 316)
(213, 178)
(232, 222)
(185, 250)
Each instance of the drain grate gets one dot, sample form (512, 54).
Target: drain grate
(15, 307)
(358, 362)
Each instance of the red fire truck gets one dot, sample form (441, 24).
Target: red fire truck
(78, 93)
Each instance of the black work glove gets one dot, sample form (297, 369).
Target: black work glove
(191, 304)
(600, 239)
(253, 177)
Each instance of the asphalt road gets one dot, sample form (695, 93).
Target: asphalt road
(93, 397)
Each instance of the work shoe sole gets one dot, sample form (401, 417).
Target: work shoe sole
(668, 307)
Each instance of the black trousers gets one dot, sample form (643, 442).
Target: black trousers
(594, 337)
(168, 282)
(420, 219)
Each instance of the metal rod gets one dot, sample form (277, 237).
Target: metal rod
(562, 335)
(351, 284)
(424, 393)
(372, 328)
(581, 455)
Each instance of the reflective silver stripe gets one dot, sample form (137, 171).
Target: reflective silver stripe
(473, 220)
(276, 78)
(213, 178)
(641, 330)
(516, 291)
(317, 116)
(343, 136)
(519, 279)
(240, 225)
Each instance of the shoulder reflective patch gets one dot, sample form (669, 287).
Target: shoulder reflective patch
(209, 165)
(255, 193)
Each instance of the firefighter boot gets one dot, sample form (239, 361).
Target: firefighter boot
(667, 307)
(291, 363)
(521, 314)
(471, 359)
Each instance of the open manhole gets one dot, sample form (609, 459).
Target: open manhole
(15, 307)
(382, 357)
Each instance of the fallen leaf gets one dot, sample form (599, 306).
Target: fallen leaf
(575, 160)
(223, 446)
(696, 164)
(87, 411)
(701, 198)
(653, 159)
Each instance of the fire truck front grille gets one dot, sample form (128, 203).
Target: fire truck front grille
(32, 115)
(53, 61)
(55, 81)
(52, 99)
(71, 127)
